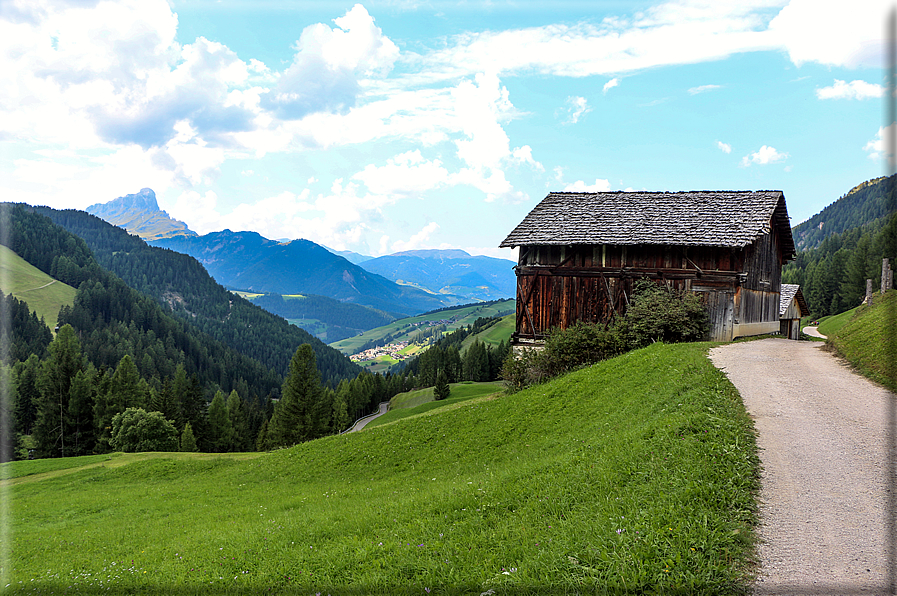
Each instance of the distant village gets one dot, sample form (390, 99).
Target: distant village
(392, 350)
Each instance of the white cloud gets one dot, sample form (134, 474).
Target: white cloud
(610, 84)
(879, 147)
(524, 155)
(763, 156)
(418, 240)
(703, 89)
(832, 32)
(329, 64)
(852, 90)
(580, 186)
(404, 174)
(724, 147)
(576, 108)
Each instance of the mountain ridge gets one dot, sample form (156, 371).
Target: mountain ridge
(139, 213)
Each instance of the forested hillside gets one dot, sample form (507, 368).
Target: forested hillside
(833, 275)
(181, 284)
(861, 206)
(121, 363)
(342, 319)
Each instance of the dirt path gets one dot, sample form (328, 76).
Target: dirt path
(824, 497)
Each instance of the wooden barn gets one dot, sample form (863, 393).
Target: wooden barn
(581, 252)
(792, 307)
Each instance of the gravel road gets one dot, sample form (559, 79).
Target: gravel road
(822, 431)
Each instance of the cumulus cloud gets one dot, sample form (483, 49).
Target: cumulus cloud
(610, 84)
(724, 147)
(852, 90)
(580, 186)
(764, 156)
(702, 89)
(328, 65)
(576, 108)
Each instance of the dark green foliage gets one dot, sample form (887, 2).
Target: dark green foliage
(135, 430)
(441, 389)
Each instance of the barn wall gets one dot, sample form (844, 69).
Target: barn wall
(560, 285)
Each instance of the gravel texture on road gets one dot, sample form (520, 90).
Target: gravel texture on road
(823, 433)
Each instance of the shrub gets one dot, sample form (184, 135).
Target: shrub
(660, 313)
(135, 429)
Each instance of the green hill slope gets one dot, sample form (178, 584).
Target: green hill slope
(635, 475)
(864, 336)
(44, 295)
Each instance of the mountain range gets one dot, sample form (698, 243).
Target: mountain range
(403, 284)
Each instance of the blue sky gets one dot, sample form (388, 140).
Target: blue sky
(392, 125)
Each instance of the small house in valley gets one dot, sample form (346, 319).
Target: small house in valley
(581, 252)
(792, 307)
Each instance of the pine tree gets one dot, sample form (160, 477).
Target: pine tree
(188, 441)
(239, 422)
(27, 395)
(54, 383)
(294, 417)
(80, 412)
(441, 390)
(219, 430)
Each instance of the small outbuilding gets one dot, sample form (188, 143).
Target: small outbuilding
(581, 252)
(792, 307)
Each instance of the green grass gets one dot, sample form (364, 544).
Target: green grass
(495, 334)
(832, 324)
(462, 316)
(863, 337)
(633, 476)
(461, 393)
(44, 295)
(465, 389)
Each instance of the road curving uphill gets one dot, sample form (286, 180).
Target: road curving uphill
(823, 437)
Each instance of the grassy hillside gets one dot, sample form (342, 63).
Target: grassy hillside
(44, 295)
(635, 475)
(495, 334)
(864, 336)
(404, 329)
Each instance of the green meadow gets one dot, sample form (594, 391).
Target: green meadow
(864, 337)
(44, 295)
(636, 475)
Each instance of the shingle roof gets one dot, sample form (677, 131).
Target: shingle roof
(694, 218)
(788, 293)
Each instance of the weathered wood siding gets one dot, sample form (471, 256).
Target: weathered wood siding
(560, 285)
